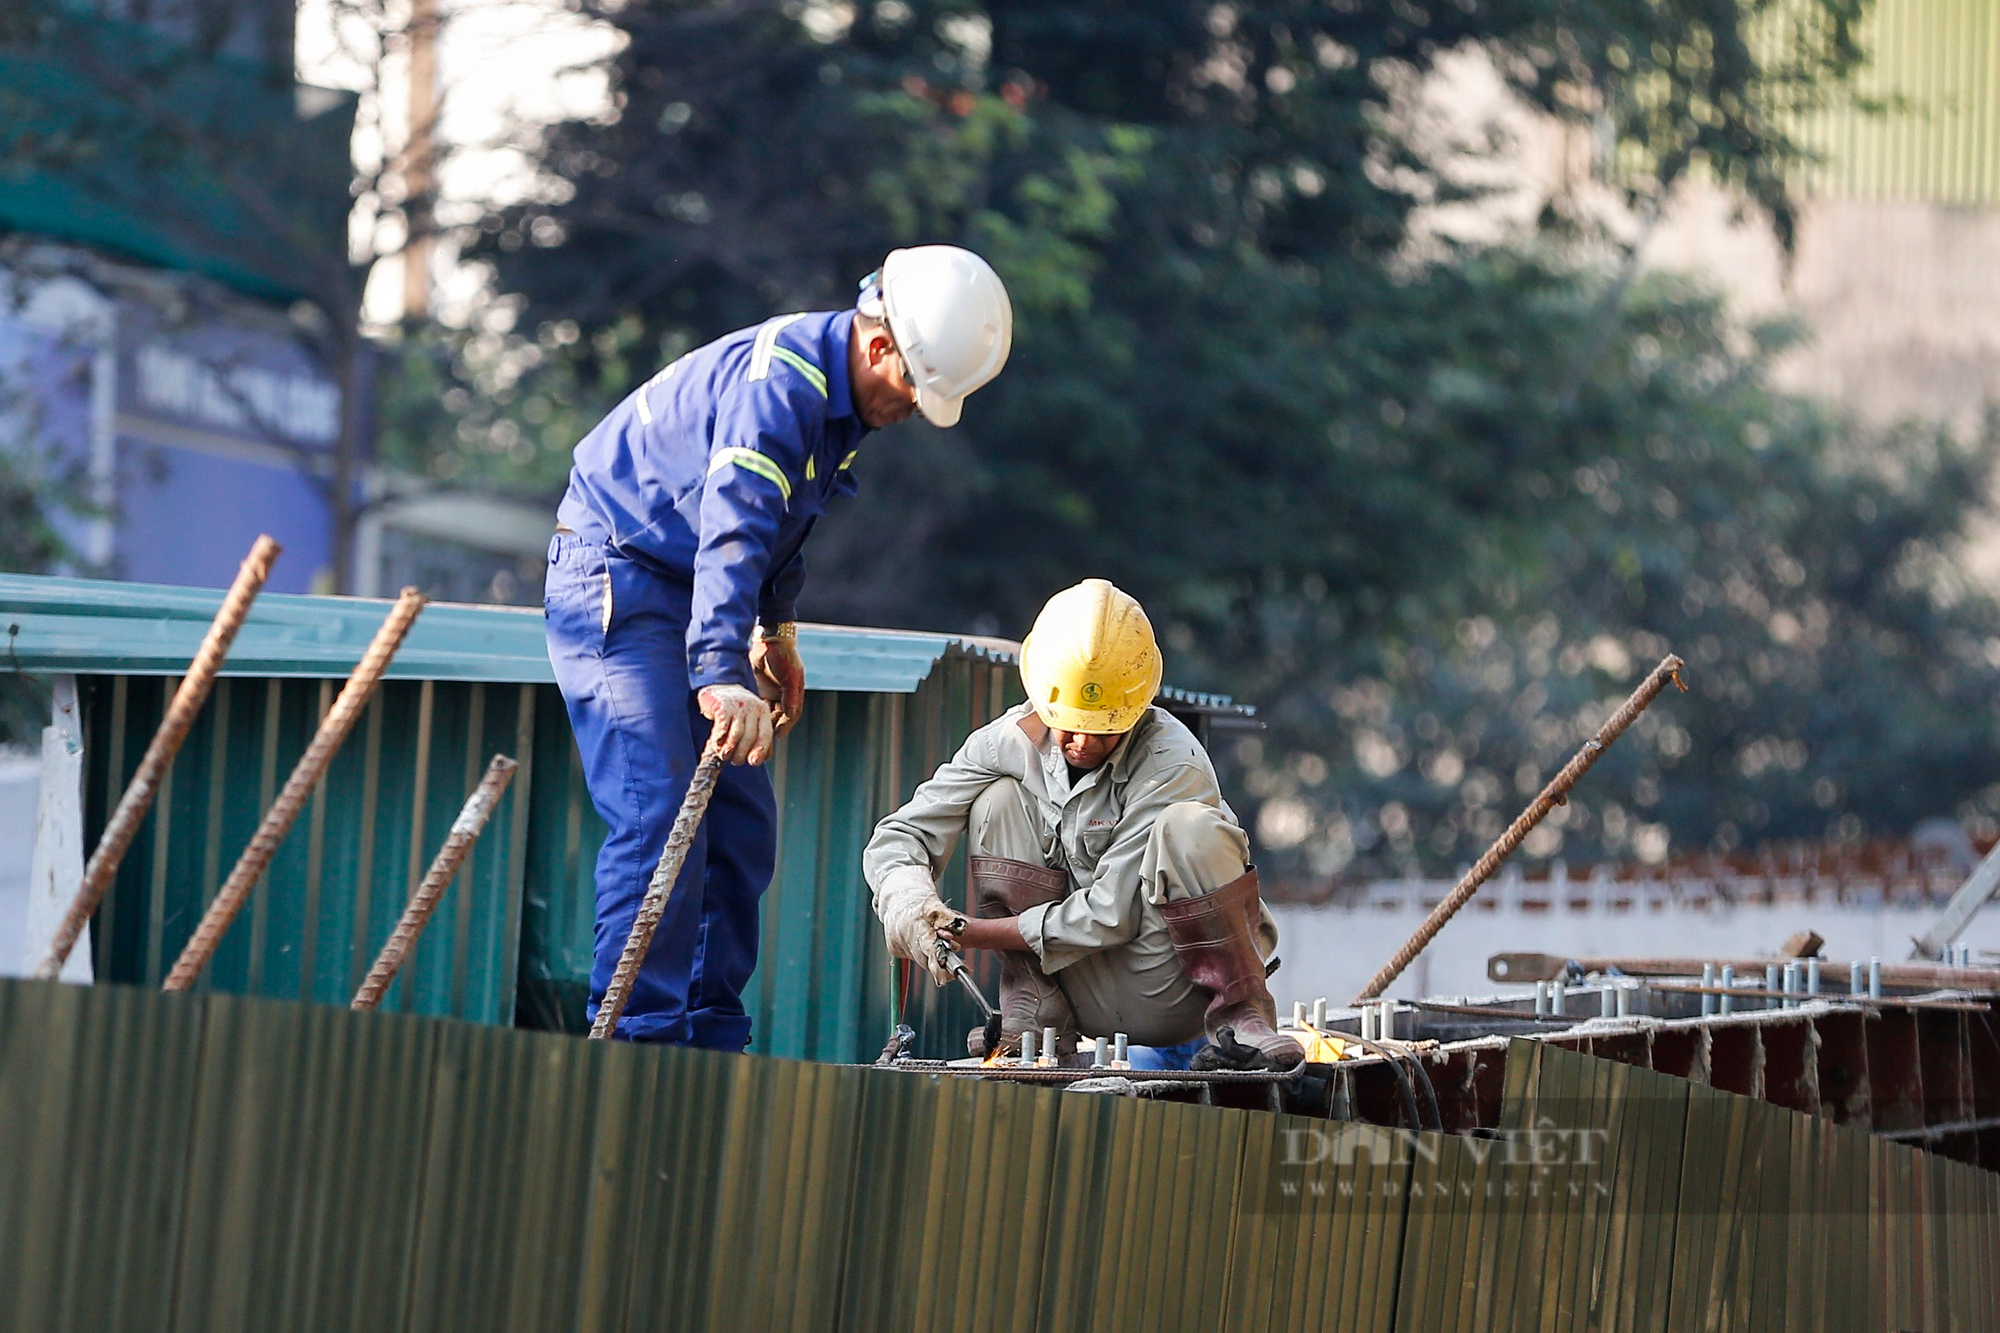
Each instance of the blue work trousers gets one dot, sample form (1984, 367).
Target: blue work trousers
(617, 634)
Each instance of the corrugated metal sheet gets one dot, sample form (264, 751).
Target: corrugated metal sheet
(1933, 79)
(341, 879)
(222, 1164)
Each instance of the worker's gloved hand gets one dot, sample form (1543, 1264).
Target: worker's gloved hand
(913, 916)
(742, 723)
(1226, 1052)
(781, 676)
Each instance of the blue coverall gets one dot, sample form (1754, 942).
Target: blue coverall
(687, 510)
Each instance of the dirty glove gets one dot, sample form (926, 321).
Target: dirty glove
(781, 676)
(742, 723)
(1226, 1052)
(913, 916)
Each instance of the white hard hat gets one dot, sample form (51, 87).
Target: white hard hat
(949, 314)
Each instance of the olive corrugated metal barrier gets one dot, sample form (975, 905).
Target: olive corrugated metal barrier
(220, 1164)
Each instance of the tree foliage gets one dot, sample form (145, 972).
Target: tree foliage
(1430, 506)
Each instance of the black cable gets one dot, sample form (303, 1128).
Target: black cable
(1430, 1092)
(1403, 1085)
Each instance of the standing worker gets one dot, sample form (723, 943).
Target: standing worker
(672, 582)
(1106, 866)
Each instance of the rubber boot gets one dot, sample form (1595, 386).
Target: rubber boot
(1215, 937)
(1030, 1000)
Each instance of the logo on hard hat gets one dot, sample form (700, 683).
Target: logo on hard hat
(1092, 692)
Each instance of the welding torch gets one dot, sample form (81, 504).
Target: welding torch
(948, 959)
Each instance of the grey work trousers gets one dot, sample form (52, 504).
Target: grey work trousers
(1136, 987)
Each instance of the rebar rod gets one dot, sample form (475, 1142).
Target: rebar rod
(1485, 1011)
(333, 729)
(1556, 793)
(1516, 968)
(654, 905)
(457, 846)
(182, 710)
(1970, 1000)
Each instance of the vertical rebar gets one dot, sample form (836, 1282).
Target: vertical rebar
(1707, 980)
(1624, 1000)
(186, 704)
(457, 846)
(1319, 1013)
(1101, 1052)
(1812, 976)
(1541, 999)
(1791, 986)
(1607, 1003)
(1855, 985)
(1728, 980)
(1874, 978)
(1298, 1013)
(1558, 994)
(1770, 985)
(333, 729)
(701, 788)
(1028, 1047)
(1121, 1053)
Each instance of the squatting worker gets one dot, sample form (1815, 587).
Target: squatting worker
(672, 580)
(1105, 864)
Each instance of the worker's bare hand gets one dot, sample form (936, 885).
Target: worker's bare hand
(1001, 933)
(743, 733)
(781, 676)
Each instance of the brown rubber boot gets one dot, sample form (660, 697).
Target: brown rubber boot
(1215, 937)
(1030, 1000)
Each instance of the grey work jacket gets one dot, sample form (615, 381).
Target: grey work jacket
(1097, 830)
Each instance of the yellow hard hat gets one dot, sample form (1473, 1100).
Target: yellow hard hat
(1091, 664)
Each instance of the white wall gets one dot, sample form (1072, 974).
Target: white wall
(20, 776)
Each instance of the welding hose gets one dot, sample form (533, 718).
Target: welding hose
(1403, 1087)
(1395, 1055)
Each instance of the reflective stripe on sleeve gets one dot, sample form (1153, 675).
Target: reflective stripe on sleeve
(752, 461)
(767, 342)
(803, 366)
(848, 461)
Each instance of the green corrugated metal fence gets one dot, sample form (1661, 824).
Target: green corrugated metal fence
(522, 908)
(513, 936)
(219, 1164)
(340, 880)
